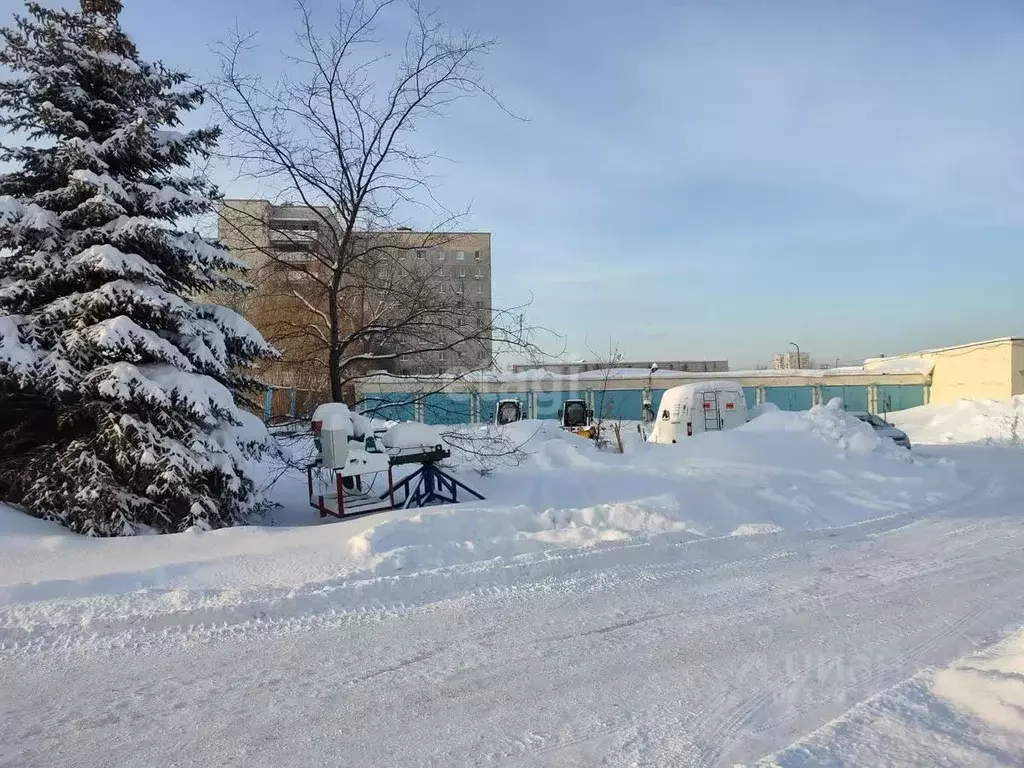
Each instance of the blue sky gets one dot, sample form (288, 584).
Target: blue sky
(715, 178)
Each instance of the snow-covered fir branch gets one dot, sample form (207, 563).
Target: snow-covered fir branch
(119, 383)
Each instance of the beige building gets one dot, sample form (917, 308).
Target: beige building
(429, 291)
(991, 369)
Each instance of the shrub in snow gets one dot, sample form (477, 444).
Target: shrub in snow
(118, 387)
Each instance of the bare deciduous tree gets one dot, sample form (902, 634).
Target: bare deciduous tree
(344, 290)
(605, 403)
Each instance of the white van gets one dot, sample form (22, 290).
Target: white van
(690, 409)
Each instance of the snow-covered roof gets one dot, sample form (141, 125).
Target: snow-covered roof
(899, 365)
(885, 367)
(935, 350)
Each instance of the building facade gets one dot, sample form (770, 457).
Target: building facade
(788, 361)
(569, 369)
(981, 370)
(992, 369)
(621, 394)
(407, 302)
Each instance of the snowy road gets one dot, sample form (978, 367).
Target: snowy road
(660, 653)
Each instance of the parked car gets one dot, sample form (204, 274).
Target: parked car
(883, 428)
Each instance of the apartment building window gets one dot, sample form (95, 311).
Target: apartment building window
(460, 255)
(480, 290)
(440, 255)
(462, 271)
(477, 256)
(421, 254)
(479, 275)
(442, 356)
(440, 271)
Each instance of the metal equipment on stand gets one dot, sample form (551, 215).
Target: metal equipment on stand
(429, 484)
(347, 446)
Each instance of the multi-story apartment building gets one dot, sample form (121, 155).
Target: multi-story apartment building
(408, 302)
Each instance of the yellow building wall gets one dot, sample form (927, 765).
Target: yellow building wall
(983, 371)
(1017, 367)
(986, 370)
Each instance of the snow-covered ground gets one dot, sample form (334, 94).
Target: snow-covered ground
(966, 421)
(787, 589)
(968, 713)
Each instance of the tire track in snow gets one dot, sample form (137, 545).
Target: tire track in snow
(723, 734)
(27, 629)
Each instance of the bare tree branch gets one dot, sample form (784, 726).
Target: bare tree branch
(350, 292)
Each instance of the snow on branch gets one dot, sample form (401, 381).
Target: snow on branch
(121, 335)
(12, 351)
(20, 217)
(236, 326)
(107, 258)
(103, 183)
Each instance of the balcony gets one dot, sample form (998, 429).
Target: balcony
(292, 236)
(294, 257)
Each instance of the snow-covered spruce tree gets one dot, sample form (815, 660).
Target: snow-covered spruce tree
(117, 385)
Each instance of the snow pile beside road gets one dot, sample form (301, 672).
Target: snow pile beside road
(966, 421)
(15, 523)
(545, 490)
(460, 534)
(834, 425)
(970, 713)
(784, 472)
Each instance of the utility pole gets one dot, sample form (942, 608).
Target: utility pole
(799, 363)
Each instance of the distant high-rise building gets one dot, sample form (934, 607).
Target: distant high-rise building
(787, 361)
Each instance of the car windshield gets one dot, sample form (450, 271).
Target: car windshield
(870, 418)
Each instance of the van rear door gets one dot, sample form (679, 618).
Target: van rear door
(711, 416)
(733, 409)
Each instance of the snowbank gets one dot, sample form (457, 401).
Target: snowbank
(966, 421)
(784, 471)
(831, 423)
(15, 523)
(969, 713)
(545, 490)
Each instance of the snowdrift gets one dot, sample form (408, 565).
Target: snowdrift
(968, 713)
(546, 491)
(966, 421)
(782, 471)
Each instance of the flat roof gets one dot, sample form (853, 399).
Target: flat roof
(999, 340)
(897, 367)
